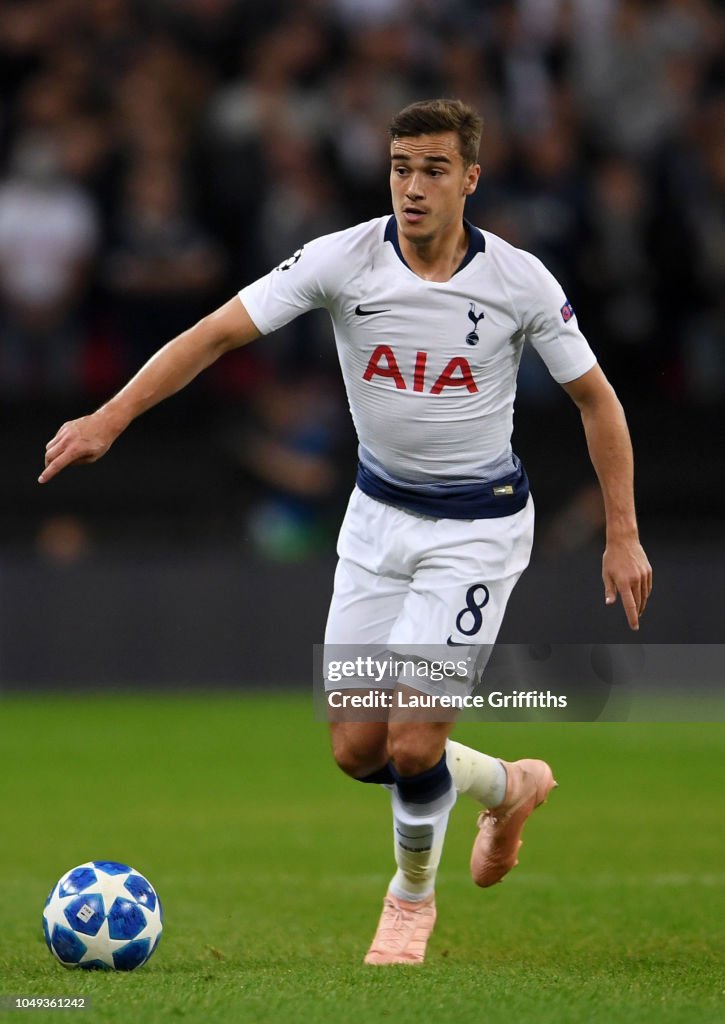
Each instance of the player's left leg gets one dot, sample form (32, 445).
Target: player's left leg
(496, 847)
(475, 774)
(461, 588)
(422, 797)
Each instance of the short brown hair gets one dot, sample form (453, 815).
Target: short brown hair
(429, 117)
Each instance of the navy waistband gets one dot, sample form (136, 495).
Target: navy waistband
(491, 500)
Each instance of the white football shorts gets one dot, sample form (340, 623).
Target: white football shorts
(422, 588)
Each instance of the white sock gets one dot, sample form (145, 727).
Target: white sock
(477, 775)
(418, 834)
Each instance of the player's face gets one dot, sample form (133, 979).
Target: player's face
(429, 183)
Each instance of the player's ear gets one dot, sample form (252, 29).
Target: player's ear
(470, 181)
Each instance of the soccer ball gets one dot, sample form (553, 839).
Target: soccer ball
(103, 914)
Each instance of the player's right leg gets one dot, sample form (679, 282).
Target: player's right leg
(360, 750)
(422, 798)
(371, 583)
(367, 597)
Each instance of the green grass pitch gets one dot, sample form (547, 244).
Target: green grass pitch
(272, 865)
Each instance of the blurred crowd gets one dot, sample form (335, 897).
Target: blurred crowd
(156, 155)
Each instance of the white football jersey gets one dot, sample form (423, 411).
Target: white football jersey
(429, 366)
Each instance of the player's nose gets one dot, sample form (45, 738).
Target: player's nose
(415, 188)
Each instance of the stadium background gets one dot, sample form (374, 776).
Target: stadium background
(157, 156)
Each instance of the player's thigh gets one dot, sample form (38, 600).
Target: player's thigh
(364, 605)
(458, 597)
(363, 608)
(456, 612)
(370, 583)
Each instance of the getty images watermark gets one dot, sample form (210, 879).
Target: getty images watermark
(369, 673)
(521, 682)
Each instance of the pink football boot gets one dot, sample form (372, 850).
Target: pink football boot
(403, 931)
(495, 850)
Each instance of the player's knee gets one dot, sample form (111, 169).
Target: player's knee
(348, 761)
(411, 751)
(357, 756)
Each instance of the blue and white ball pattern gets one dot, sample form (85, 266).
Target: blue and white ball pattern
(103, 914)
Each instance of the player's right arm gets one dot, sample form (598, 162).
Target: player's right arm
(168, 371)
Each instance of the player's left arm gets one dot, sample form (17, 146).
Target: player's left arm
(625, 567)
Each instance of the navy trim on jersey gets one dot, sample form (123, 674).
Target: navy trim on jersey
(491, 500)
(476, 242)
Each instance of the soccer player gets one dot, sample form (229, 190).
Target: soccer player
(430, 314)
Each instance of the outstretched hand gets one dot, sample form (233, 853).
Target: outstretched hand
(626, 571)
(78, 441)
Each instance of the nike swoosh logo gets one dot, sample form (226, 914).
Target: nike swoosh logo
(452, 643)
(359, 311)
